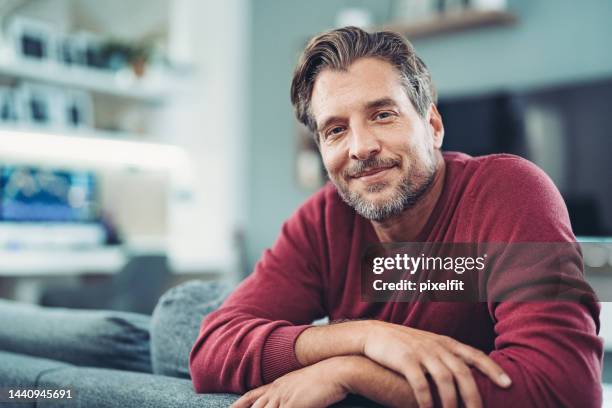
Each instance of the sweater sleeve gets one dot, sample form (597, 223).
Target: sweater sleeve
(249, 340)
(550, 349)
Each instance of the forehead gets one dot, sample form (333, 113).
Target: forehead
(367, 79)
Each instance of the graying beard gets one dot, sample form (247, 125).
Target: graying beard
(405, 197)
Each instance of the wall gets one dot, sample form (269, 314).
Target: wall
(209, 121)
(554, 42)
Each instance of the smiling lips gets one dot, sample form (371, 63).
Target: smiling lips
(368, 174)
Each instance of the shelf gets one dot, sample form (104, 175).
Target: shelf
(88, 149)
(152, 89)
(451, 22)
(60, 262)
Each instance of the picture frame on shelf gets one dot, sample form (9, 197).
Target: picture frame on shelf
(78, 109)
(9, 112)
(32, 39)
(68, 51)
(41, 105)
(415, 11)
(88, 49)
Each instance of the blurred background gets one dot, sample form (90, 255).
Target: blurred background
(143, 143)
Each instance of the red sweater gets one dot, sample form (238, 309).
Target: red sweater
(550, 349)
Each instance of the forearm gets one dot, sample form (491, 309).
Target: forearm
(371, 380)
(555, 338)
(322, 342)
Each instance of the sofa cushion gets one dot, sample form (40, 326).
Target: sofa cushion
(101, 388)
(19, 371)
(176, 323)
(82, 337)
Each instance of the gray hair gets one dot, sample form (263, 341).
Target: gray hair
(338, 49)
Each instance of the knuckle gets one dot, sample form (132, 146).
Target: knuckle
(463, 370)
(448, 342)
(445, 339)
(408, 356)
(421, 388)
(445, 377)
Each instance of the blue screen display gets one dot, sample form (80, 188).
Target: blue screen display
(33, 194)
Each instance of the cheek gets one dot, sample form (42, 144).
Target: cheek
(332, 160)
(420, 147)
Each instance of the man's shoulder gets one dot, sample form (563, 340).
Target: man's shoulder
(508, 173)
(505, 162)
(499, 163)
(495, 172)
(518, 198)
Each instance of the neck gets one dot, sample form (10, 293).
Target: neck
(406, 226)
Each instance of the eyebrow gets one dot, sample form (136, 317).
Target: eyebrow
(375, 104)
(380, 103)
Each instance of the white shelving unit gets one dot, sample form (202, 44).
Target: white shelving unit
(153, 88)
(453, 22)
(167, 121)
(84, 148)
(89, 149)
(66, 262)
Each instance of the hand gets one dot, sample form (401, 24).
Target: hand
(413, 353)
(318, 385)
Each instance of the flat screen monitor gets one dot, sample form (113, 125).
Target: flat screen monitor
(31, 194)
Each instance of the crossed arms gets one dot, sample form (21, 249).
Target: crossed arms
(261, 342)
(381, 361)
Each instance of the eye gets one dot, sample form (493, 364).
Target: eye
(383, 115)
(334, 131)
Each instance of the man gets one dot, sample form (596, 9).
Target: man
(370, 104)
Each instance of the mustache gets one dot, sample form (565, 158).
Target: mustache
(369, 164)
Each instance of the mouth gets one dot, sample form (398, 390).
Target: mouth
(372, 174)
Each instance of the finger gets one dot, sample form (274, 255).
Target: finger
(272, 404)
(261, 402)
(443, 378)
(463, 378)
(484, 363)
(416, 378)
(249, 398)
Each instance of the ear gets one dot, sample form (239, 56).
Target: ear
(434, 120)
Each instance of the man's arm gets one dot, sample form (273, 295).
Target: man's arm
(549, 349)
(329, 381)
(249, 340)
(409, 352)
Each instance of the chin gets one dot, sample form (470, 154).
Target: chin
(375, 188)
(377, 193)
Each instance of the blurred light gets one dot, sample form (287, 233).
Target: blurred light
(357, 17)
(88, 152)
(595, 256)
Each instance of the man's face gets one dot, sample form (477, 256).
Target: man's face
(376, 148)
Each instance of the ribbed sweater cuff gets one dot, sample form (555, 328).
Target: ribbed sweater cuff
(279, 352)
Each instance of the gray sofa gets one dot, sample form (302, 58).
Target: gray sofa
(108, 358)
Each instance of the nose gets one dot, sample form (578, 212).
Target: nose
(364, 144)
